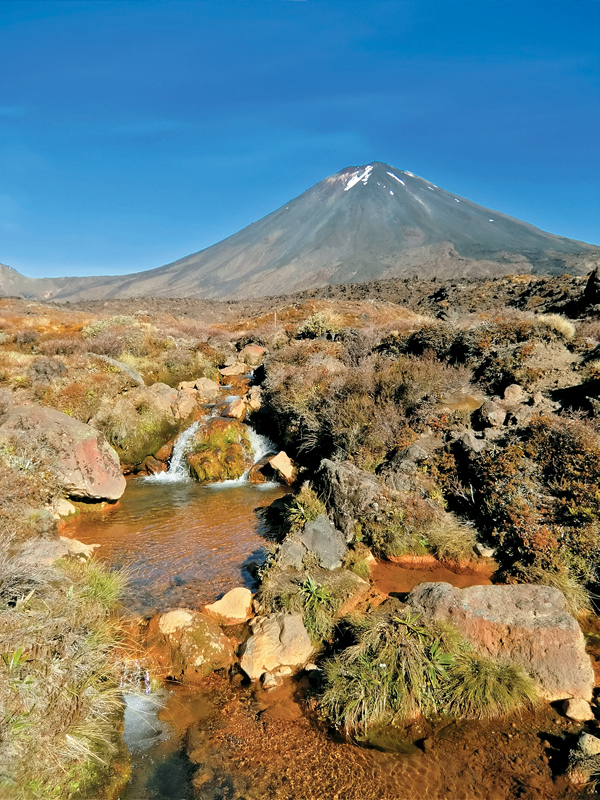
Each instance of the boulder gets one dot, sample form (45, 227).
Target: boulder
(524, 624)
(208, 390)
(277, 640)
(188, 645)
(252, 354)
(140, 422)
(515, 395)
(578, 709)
(325, 542)
(235, 606)
(491, 414)
(261, 472)
(236, 409)
(220, 450)
(254, 398)
(584, 759)
(63, 508)
(234, 369)
(291, 554)
(46, 370)
(349, 492)
(86, 465)
(283, 466)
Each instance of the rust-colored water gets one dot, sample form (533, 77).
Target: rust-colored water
(396, 579)
(185, 544)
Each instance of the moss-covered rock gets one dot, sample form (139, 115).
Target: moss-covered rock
(220, 451)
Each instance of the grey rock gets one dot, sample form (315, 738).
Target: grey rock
(291, 554)
(470, 444)
(527, 625)
(325, 541)
(588, 745)
(46, 370)
(483, 551)
(491, 414)
(349, 491)
(129, 371)
(515, 394)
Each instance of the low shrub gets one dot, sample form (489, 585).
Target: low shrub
(305, 507)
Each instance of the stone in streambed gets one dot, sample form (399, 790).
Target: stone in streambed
(188, 645)
(525, 624)
(234, 607)
(233, 370)
(277, 640)
(236, 409)
(220, 450)
(284, 467)
(253, 354)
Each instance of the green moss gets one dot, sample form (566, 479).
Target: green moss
(221, 450)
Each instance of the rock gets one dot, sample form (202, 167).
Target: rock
(483, 551)
(47, 552)
(254, 398)
(152, 466)
(588, 745)
(578, 709)
(414, 453)
(86, 465)
(220, 450)
(165, 452)
(188, 645)
(591, 293)
(253, 354)
(234, 369)
(62, 508)
(470, 444)
(269, 681)
(277, 640)
(515, 394)
(46, 370)
(236, 410)
(125, 368)
(491, 414)
(284, 467)
(208, 390)
(261, 472)
(324, 541)
(349, 492)
(139, 423)
(235, 606)
(525, 624)
(291, 554)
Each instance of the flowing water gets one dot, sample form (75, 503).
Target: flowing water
(187, 544)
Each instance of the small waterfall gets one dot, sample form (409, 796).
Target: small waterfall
(177, 467)
(260, 446)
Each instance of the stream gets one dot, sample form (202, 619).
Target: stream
(186, 544)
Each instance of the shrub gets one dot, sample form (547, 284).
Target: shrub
(317, 325)
(305, 507)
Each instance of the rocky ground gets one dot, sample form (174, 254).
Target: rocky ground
(454, 422)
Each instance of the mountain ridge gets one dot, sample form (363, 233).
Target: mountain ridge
(364, 223)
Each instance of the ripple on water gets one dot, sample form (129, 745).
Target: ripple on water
(185, 544)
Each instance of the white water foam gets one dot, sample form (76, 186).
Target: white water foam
(178, 471)
(177, 466)
(261, 446)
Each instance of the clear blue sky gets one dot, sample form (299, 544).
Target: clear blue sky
(134, 133)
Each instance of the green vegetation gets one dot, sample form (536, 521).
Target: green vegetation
(399, 666)
(305, 507)
(59, 684)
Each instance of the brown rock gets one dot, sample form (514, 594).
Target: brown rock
(515, 394)
(235, 606)
(491, 414)
(234, 369)
(261, 472)
(152, 466)
(208, 390)
(236, 410)
(165, 452)
(85, 463)
(527, 625)
(254, 398)
(284, 467)
(188, 645)
(277, 640)
(253, 354)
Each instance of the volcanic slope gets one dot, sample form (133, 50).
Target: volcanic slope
(364, 223)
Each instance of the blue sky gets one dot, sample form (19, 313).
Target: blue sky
(134, 133)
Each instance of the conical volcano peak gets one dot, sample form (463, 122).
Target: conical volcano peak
(364, 223)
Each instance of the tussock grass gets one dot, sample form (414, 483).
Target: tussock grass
(400, 667)
(305, 507)
(59, 682)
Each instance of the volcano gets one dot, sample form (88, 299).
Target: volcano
(363, 223)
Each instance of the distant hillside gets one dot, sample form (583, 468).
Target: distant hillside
(364, 223)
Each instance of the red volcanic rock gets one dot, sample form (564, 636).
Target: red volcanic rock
(524, 624)
(79, 455)
(253, 354)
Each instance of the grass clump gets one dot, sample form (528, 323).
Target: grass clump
(305, 507)
(399, 666)
(59, 682)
